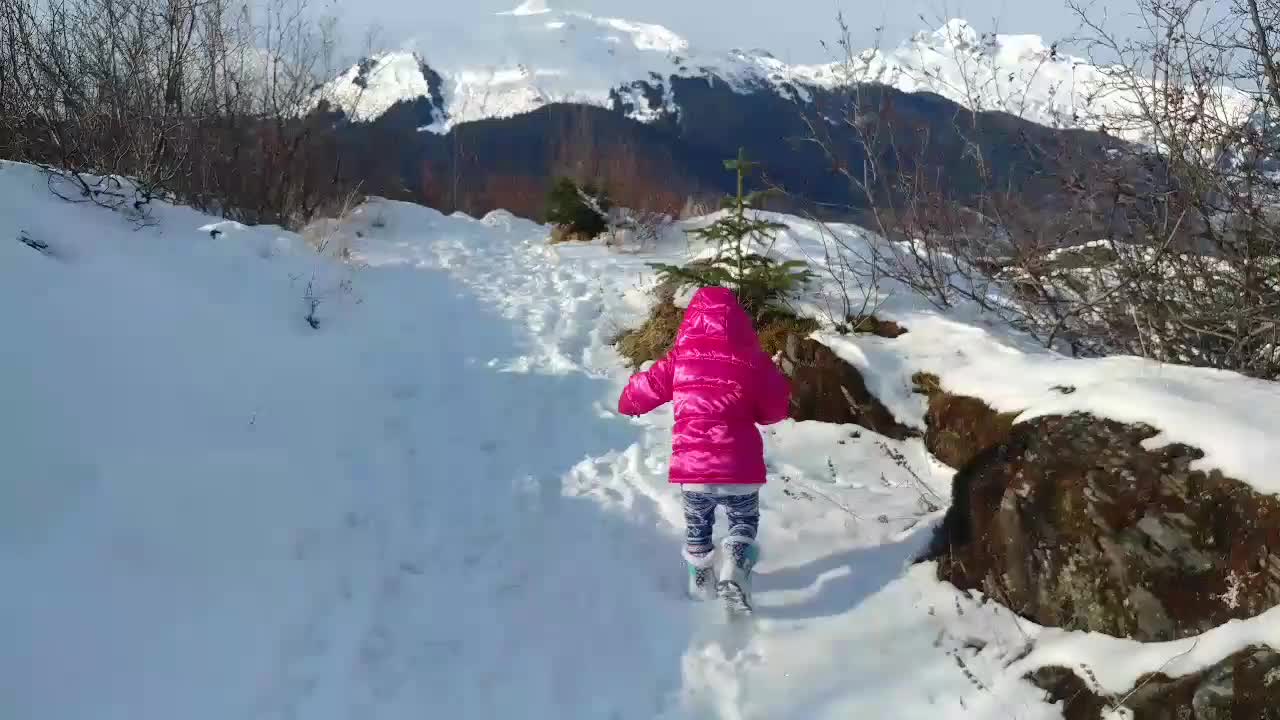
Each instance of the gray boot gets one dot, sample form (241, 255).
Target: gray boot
(702, 574)
(734, 585)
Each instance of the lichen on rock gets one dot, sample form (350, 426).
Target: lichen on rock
(1073, 523)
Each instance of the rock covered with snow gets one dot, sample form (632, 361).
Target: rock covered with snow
(827, 389)
(1074, 523)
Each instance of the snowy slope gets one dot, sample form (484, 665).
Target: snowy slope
(518, 61)
(426, 507)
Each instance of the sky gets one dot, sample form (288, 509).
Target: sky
(793, 30)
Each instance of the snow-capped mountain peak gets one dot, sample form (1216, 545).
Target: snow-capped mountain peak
(517, 61)
(372, 86)
(954, 33)
(529, 7)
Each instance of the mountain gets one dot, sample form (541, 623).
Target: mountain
(524, 59)
(533, 56)
(510, 163)
(488, 120)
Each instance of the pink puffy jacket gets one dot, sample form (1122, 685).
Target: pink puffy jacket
(722, 385)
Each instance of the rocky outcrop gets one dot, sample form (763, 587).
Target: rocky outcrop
(828, 389)
(1072, 523)
(1244, 686)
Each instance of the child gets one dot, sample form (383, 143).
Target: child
(722, 385)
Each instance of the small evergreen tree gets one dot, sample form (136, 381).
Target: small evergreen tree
(581, 210)
(760, 283)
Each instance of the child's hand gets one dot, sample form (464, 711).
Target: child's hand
(644, 366)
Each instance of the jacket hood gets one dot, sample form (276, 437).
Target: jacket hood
(714, 314)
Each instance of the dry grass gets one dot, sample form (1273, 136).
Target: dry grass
(872, 325)
(777, 328)
(563, 234)
(926, 384)
(655, 338)
(959, 427)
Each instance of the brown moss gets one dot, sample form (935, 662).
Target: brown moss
(959, 427)
(872, 325)
(824, 387)
(657, 335)
(926, 383)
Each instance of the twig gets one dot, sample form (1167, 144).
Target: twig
(1151, 676)
(38, 245)
(829, 499)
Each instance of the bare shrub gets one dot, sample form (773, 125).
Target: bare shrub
(637, 230)
(1196, 224)
(697, 207)
(328, 234)
(953, 222)
(1165, 248)
(198, 101)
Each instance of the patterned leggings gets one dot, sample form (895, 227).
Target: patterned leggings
(700, 518)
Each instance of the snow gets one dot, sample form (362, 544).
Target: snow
(1118, 665)
(516, 62)
(1229, 417)
(529, 7)
(428, 505)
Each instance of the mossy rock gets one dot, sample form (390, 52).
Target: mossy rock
(1072, 523)
(828, 389)
(657, 335)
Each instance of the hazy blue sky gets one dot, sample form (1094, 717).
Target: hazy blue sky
(791, 29)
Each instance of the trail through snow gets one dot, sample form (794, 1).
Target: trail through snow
(841, 627)
(425, 508)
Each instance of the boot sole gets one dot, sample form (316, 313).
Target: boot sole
(735, 599)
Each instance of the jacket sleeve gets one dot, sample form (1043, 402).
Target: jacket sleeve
(773, 404)
(648, 390)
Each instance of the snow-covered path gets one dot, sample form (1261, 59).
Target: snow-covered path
(490, 592)
(425, 508)
(455, 578)
(840, 629)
